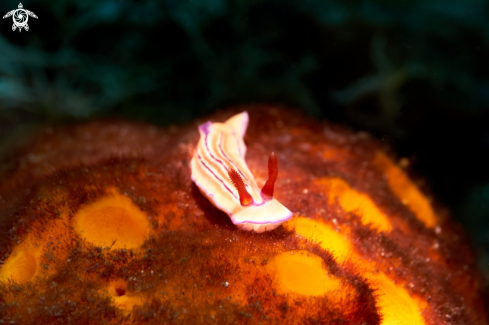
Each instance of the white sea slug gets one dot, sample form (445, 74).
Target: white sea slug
(220, 171)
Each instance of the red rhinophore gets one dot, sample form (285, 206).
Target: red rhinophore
(267, 190)
(244, 197)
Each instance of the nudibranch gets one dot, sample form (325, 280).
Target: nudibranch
(219, 170)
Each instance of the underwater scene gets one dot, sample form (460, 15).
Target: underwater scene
(244, 162)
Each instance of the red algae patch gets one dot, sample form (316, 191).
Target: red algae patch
(113, 221)
(114, 231)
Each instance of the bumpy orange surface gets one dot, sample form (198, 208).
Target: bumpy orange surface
(100, 223)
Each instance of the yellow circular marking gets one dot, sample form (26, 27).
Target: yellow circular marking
(334, 242)
(302, 272)
(19, 267)
(396, 305)
(394, 301)
(34, 249)
(354, 201)
(113, 221)
(407, 192)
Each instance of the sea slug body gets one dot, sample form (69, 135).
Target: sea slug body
(220, 172)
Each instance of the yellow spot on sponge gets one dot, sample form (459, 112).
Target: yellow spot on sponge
(31, 256)
(396, 305)
(113, 221)
(406, 191)
(336, 243)
(20, 266)
(354, 201)
(302, 272)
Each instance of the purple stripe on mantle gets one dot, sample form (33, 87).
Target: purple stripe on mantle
(237, 144)
(232, 162)
(217, 177)
(212, 156)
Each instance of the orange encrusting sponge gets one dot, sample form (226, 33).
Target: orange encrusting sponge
(392, 297)
(114, 231)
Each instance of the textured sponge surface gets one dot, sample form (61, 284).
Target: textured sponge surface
(114, 231)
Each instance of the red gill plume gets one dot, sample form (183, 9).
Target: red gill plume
(267, 190)
(244, 197)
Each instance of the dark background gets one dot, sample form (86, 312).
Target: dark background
(415, 74)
